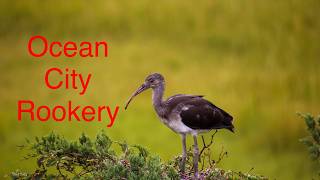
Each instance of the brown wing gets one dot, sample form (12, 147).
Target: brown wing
(174, 101)
(198, 113)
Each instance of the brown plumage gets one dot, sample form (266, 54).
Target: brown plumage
(185, 114)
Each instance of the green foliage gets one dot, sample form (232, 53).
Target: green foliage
(87, 159)
(245, 56)
(313, 140)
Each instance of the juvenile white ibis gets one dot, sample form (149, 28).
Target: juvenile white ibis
(185, 114)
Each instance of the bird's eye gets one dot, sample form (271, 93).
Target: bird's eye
(151, 80)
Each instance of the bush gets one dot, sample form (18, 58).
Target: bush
(58, 158)
(313, 140)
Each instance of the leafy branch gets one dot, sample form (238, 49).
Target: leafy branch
(58, 158)
(313, 140)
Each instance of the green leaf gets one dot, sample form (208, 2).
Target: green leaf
(142, 151)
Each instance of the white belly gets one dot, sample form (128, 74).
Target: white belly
(177, 126)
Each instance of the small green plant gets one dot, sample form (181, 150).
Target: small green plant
(87, 159)
(313, 140)
(58, 158)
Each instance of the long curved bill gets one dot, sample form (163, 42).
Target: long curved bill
(138, 91)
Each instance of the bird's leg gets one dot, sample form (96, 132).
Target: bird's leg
(195, 156)
(184, 153)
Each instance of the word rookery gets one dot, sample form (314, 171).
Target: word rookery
(71, 112)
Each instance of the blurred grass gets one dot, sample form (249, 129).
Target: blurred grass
(257, 60)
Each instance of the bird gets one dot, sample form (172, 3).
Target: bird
(185, 114)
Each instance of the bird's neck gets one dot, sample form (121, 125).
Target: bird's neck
(157, 99)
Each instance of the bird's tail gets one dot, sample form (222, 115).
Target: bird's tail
(230, 128)
(228, 123)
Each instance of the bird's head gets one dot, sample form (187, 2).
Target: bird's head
(152, 81)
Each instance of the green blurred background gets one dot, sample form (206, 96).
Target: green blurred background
(258, 60)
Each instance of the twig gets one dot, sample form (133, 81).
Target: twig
(221, 155)
(250, 170)
(204, 143)
(202, 164)
(58, 167)
(206, 146)
(84, 171)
